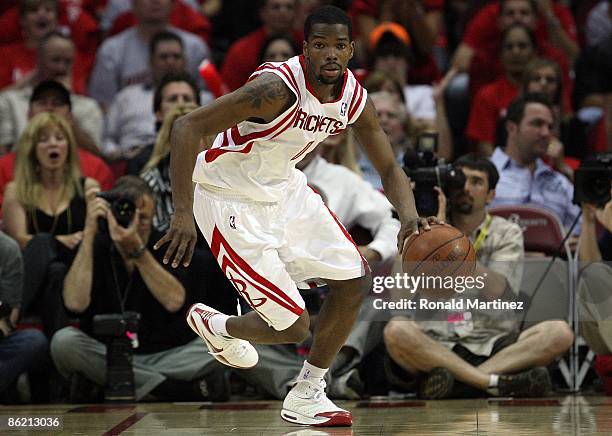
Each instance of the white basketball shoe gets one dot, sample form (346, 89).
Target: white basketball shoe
(233, 352)
(307, 404)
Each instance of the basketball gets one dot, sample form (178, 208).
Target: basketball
(444, 251)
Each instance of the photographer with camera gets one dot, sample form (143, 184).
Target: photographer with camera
(20, 350)
(124, 295)
(467, 353)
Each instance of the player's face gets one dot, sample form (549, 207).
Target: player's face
(475, 194)
(534, 132)
(328, 51)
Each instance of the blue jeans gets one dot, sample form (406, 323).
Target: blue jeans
(20, 352)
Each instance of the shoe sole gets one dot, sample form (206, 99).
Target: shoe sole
(192, 322)
(326, 419)
(438, 385)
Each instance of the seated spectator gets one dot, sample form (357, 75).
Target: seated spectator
(397, 125)
(51, 96)
(278, 48)
(355, 202)
(156, 172)
(594, 304)
(392, 54)
(21, 351)
(123, 59)
(37, 18)
(115, 272)
(44, 211)
(477, 352)
(420, 18)
(118, 17)
(489, 106)
(242, 57)
(523, 175)
(569, 135)
(56, 57)
(552, 23)
(173, 90)
(76, 20)
(131, 120)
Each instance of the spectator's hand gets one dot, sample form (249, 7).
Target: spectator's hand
(439, 89)
(96, 208)
(441, 205)
(182, 237)
(127, 238)
(71, 240)
(131, 153)
(5, 326)
(370, 255)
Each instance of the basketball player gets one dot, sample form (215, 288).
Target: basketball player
(266, 227)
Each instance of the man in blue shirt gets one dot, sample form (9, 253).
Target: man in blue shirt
(524, 177)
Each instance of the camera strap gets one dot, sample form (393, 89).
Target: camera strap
(122, 294)
(482, 235)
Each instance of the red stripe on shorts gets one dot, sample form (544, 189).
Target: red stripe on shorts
(263, 285)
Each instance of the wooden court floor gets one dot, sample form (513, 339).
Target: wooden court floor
(569, 415)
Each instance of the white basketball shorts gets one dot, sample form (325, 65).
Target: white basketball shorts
(264, 249)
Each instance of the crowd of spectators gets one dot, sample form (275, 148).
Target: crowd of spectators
(518, 91)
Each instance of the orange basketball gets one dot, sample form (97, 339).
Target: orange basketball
(444, 251)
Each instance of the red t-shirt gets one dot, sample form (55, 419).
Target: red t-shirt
(91, 166)
(488, 107)
(242, 58)
(182, 16)
(484, 37)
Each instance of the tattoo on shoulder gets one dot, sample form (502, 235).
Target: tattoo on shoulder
(265, 90)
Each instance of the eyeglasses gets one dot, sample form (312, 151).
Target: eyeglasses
(547, 79)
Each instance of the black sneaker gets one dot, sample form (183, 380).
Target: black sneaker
(436, 385)
(531, 383)
(215, 386)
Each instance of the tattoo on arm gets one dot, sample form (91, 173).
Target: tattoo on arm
(265, 90)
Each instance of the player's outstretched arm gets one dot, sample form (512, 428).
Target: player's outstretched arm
(261, 99)
(395, 182)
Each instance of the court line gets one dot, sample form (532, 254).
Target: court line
(126, 423)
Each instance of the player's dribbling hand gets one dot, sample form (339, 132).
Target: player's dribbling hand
(413, 226)
(182, 236)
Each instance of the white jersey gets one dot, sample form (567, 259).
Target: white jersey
(257, 161)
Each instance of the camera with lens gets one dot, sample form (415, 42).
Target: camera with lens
(593, 179)
(119, 333)
(122, 205)
(426, 171)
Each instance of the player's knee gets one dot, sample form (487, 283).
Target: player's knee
(299, 330)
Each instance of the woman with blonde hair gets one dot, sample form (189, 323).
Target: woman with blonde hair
(45, 204)
(156, 172)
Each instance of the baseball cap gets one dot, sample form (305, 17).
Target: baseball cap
(52, 87)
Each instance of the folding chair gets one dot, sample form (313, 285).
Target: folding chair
(555, 298)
